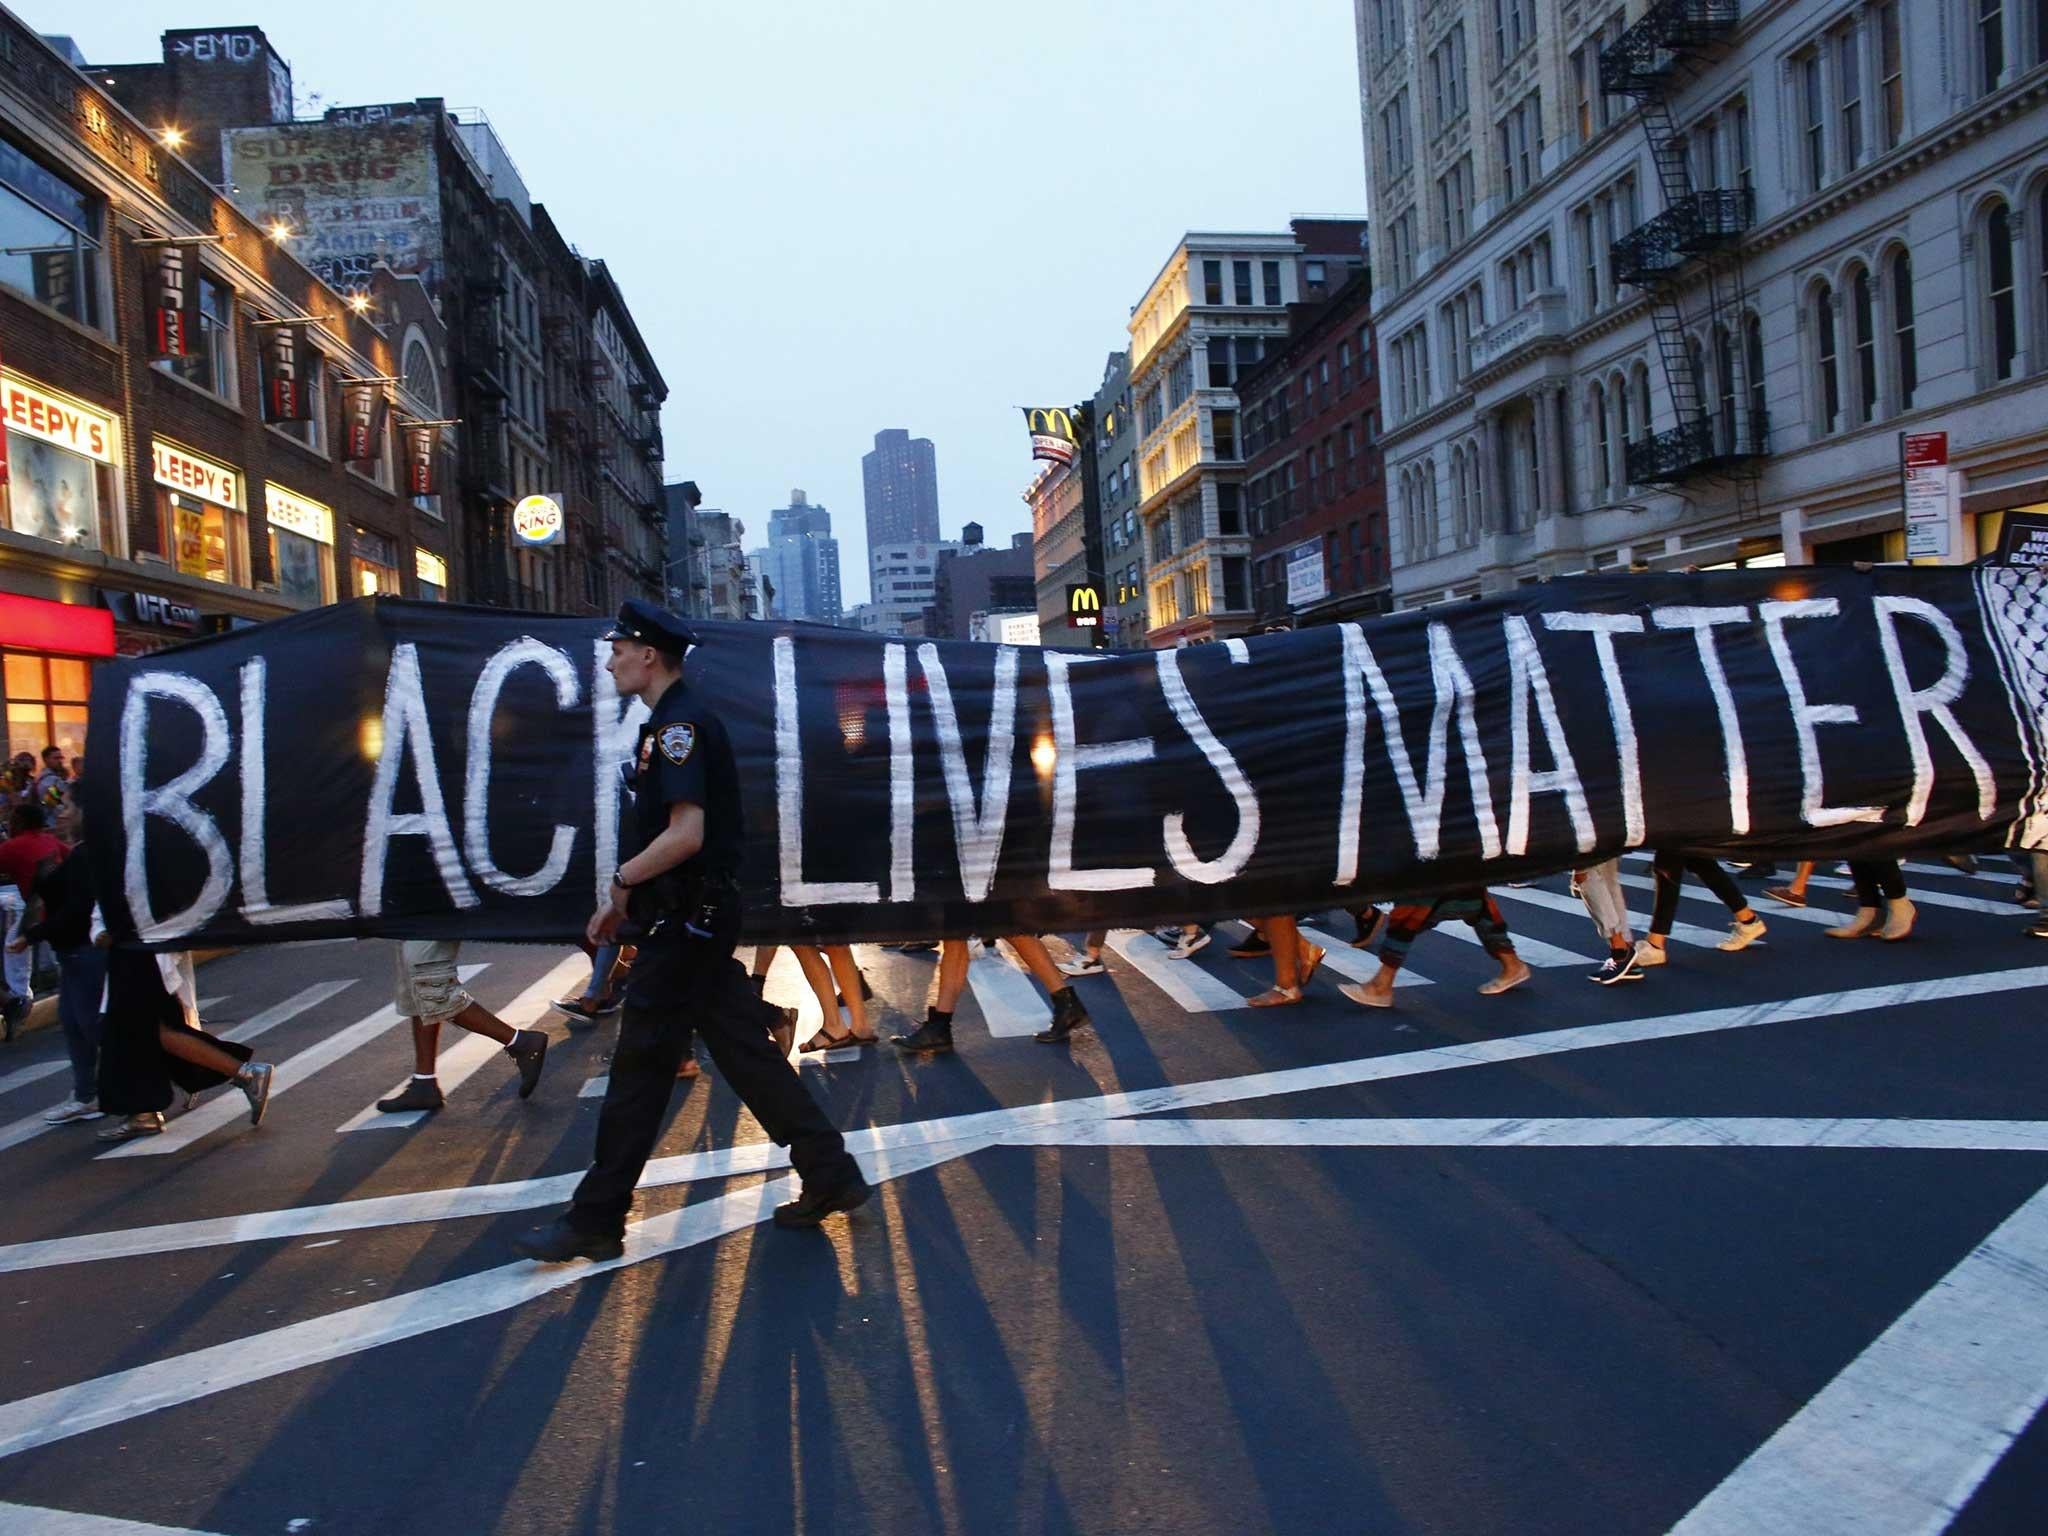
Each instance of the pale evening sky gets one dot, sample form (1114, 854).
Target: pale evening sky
(830, 218)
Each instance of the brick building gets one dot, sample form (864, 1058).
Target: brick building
(555, 393)
(978, 578)
(1312, 462)
(148, 500)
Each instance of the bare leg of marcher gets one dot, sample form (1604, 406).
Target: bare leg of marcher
(934, 1037)
(847, 979)
(1067, 1013)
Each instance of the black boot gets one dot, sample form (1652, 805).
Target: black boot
(421, 1093)
(528, 1050)
(558, 1242)
(931, 1038)
(1067, 1016)
(820, 1200)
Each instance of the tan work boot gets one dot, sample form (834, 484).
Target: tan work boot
(1858, 926)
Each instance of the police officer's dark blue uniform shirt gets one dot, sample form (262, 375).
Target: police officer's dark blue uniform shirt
(685, 757)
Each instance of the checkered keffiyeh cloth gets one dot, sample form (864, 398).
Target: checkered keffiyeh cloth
(2016, 613)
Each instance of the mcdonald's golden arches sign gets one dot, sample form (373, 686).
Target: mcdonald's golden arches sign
(1084, 606)
(1052, 433)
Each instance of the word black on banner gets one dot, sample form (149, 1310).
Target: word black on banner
(411, 770)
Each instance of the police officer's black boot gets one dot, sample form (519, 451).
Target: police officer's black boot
(931, 1038)
(560, 1241)
(1067, 1016)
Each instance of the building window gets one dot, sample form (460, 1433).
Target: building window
(1998, 266)
(1601, 445)
(1344, 366)
(1753, 370)
(1813, 113)
(1906, 361)
(1990, 43)
(1520, 141)
(1891, 86)
(52, 491)
(1863, 319)
(49, 238)
(204, 538)
(1447, 77)
(1219, 362)
(1241, 281)
(1849, 93)
(210, 363)
(1212, 282)
(46, 697)
(1830, 364)
(1724, 382)
(1229, 507)
(1236, 585)
(1585, 72)
(1269, 276)
(301, 546)
(374, 565)
(1223, 433)
(1514, 28)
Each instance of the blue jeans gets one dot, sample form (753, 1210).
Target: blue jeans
(601, 972)
(82, 976)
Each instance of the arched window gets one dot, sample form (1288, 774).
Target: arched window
(1696, 359)
(1641, 380)
(1830, 364)
(1998, 271)
(421, 379)
(1905, 357)
(1753, 368)
(1461, 506)
(1597, 441)
(1863, 322)
(1623, 396)
(1436, 528)
(1724, 387)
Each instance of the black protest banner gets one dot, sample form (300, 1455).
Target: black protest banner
(407, 769)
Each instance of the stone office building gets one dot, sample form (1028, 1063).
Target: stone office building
(1667, 281)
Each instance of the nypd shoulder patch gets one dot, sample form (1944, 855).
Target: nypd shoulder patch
(678, 742)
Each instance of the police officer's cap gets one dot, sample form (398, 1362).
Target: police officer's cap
(646, 624)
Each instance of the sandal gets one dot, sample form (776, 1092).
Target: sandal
(825, 1040)
(1314, 956)
(1275, 997)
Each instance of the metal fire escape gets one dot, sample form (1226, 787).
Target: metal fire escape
(1696, 240)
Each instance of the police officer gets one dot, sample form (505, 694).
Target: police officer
(681, 890)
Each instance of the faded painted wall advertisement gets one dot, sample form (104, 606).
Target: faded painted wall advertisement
(352, 193)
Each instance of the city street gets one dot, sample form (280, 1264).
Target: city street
(1755, 1244)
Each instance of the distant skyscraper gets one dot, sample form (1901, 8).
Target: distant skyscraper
(901, 481)
(802, 560)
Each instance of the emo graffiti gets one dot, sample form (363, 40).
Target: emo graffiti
(393, 768)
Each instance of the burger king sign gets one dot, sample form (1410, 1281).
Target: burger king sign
(537, 520)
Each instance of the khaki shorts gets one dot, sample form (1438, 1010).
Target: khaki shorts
(428, 986)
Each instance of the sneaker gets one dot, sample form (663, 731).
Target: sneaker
(1191, 943)
(1621, 965)
(577, 1008)
(1784, 896)
(1742, 934)
(422, 1093)
(1253, 947)
(254, 1081)
(1085, 965)
(73, 1109)
(149, 1123)
(1648, 955)
(2038, 930)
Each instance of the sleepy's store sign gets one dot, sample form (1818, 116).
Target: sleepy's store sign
(183, 470)
(57, 419)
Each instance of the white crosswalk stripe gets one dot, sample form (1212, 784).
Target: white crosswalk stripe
(594, 1087)
(460, 1061)
(1182, 980)
(1009, 1000)
(227, 1105)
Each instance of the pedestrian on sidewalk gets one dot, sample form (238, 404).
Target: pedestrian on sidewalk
(29, 846)
(60, 914)
(680, 891)
(430, 990)
(1671, 868)
(1882, 909)
(1408, 922)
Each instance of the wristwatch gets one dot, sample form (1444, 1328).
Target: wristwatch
(619, 879)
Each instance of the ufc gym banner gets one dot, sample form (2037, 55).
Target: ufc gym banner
(397, 768)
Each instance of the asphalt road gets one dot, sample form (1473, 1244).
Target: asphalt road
(1758, 1244)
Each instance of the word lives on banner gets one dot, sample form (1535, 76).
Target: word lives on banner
(407, 769)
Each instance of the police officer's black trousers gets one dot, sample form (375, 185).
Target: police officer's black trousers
(682, 987)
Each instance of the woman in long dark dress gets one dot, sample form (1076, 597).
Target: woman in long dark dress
(148, 1047)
